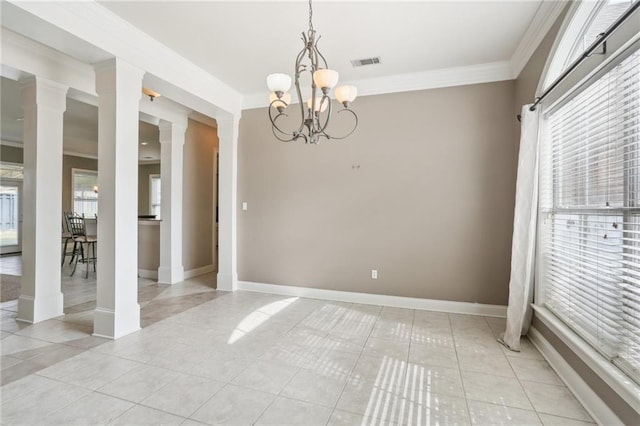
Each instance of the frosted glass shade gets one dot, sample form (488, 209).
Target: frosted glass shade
(346, 94)
(318, 105)
(278, 82)
(283, 102)
(325, 79)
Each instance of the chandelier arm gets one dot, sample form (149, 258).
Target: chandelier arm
(320, 54)
(294, 135)
(313, 59)
(302, 119)
(304, 49)
(275, 126)
(327, 115)
(273, 130)
(299, 68)
(355, 126)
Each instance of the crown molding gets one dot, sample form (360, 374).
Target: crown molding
(22, 57)
(167, 71)
(542, 21)
(14, 144)
(71, 153)
(20, 145)
(79, 154)
(433, 79)
(9, 72)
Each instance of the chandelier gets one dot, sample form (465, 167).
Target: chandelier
(315, 120)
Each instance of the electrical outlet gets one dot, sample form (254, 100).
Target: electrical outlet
(374, 274)
(244, 206)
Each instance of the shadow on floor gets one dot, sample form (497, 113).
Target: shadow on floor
(28, 348)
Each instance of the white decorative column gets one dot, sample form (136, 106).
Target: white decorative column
(43, 105)
(172, 136)
(119, 88)
(228, 198)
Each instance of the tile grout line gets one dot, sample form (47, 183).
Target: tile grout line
(464, 391)
(522, 387)
(290, 379)
(354, 366)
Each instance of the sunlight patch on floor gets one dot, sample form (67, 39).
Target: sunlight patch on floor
(258, 317)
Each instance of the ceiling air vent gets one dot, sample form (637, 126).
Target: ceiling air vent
(368, 61)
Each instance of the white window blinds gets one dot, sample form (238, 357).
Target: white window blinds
(590, 205)
(85, 197)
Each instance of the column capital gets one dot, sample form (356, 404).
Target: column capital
(228, 121)
(116, 73)
(40, 91)
(172, 132)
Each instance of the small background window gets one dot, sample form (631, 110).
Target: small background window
(154, 195)
(85, 192)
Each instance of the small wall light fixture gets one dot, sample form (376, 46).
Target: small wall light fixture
(150, 93)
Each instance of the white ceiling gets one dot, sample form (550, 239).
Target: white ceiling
(240, 42)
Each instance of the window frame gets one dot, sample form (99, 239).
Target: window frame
(622, 43)
(151, 205)
(73, 186)
(620, 47)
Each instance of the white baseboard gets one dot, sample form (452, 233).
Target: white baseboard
(199, 271)
(153, 274)
(596, 407)
(377, 299)
(148, 273)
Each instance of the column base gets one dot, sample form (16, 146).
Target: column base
(113, 325)
(227, 282)
(41, 308)
(168, 275)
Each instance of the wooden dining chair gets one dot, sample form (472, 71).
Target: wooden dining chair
(66, 237)
(79, 231)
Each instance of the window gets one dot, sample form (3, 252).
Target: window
(602, 15)
(11, 171)
(588, 21)
(154, 195)
(590, 210)
(85, 192)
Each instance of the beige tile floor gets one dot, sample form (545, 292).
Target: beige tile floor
(208, 357)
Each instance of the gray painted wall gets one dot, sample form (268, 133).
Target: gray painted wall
(429, 203)
(11, 154)
(198, 214)
(144, 170)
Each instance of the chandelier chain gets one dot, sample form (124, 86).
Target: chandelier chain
(310, 16)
